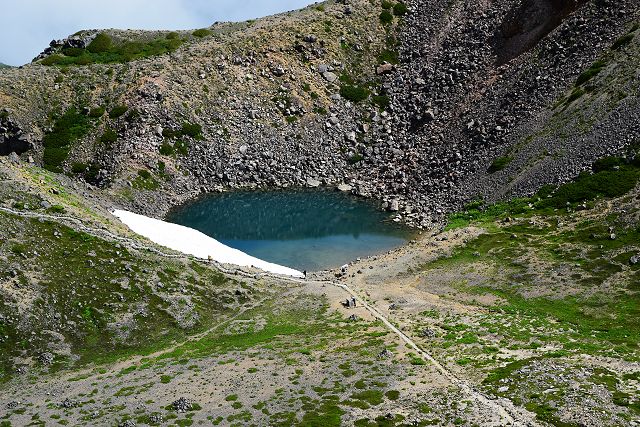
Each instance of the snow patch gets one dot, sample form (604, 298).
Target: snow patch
(192, 242)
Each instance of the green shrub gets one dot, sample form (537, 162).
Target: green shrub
(54, 157)
(400, 9)
(102, 50)
(84, 60)
(575, 95)
(169, 133)
(133, 115)
(118, 111)
(73, 51)
(91, 174)
(356, 158)
(595, 68)
(78, 167)
(166, 149)
(499, 164)
(66, 130)
(607, 164)
(381, 101)
(202, 32)
(607, 183)
(96, 112)
(389, 56)
(622, 41)
(181, 147)
(193, 130)
(145, 181)
(109, 136)
(386, 17)
(386, 4)
(172, 35)
(100, 44)
(52, 59)
(354, 93)
(56, 209)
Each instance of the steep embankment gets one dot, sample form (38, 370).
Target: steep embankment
(254, 103)
(488, 100)
(423, 105)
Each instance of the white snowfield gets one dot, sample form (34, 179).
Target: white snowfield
(192, 242)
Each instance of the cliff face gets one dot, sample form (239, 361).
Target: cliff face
(425, 105)
(491, 113)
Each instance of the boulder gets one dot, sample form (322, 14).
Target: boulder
(329, 76)
(313, 182)
(385, 68)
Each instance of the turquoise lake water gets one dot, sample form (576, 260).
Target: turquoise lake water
(304, 229)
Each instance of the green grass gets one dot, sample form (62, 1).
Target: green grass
(612, 177)
(326, 414)
(392, 394)
(70, 283)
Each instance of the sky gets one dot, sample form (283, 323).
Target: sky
(27, 26)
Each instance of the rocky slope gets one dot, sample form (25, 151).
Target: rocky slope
(411, 104)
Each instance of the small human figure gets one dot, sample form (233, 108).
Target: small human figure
(305, 274)
(353, 301)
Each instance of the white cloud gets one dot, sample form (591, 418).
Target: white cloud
(27, 26)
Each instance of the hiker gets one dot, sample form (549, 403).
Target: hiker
(353, 302)
(305, 274)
